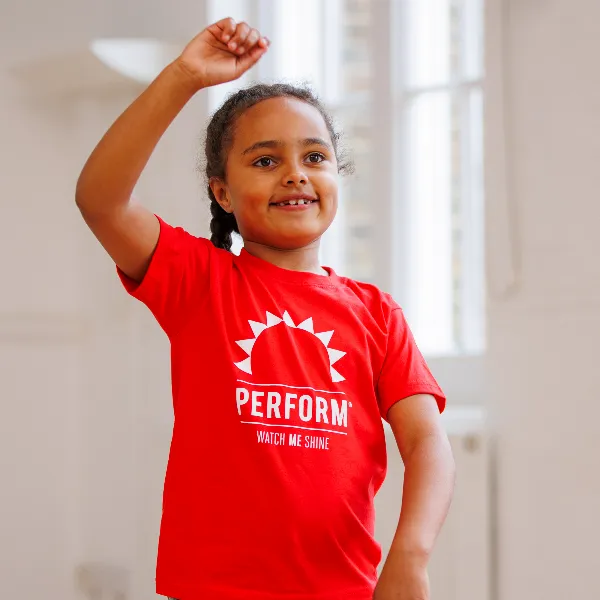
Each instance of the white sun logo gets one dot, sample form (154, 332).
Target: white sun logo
(272, 320)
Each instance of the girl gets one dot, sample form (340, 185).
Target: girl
(281, 369)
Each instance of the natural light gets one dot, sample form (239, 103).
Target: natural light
(430, 213)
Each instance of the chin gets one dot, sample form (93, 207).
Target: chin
(291, 240)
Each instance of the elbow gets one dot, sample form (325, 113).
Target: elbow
(80, 195)
(96, 201)
(86, 193)
(89, 203)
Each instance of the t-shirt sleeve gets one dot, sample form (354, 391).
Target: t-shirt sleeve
(177, 279)
(404, 372)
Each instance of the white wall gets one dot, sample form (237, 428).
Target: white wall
(84, 377)
(84, 381)
(543, 376)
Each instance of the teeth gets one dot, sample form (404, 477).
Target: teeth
(294, 202)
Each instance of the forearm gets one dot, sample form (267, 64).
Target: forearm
(114, 167)
(428, 487)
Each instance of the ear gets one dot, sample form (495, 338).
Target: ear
(221, 193)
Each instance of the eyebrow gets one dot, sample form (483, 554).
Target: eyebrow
(313, 141)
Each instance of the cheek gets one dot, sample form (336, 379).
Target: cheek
(327, 185)
(248, 210)
(248, 193)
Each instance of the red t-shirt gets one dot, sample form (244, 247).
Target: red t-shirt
(280, 380)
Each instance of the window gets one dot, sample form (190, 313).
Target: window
(439, 96)
(404, 80)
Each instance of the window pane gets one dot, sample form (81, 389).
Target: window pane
(444, 193)
(470, 327)
(356, 55)
(355, 196)
(427, 27)
(325, 44)
(352, 252)
(353, 113)
(429, 196)
(443, 41)
(472, 55)
(298, 44)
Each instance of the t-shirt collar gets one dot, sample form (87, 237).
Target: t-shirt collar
(299, 277)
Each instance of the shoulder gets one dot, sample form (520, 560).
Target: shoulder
(375, 300)
(181, 240)
(379, 305)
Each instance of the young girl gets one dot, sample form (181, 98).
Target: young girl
(281, 369)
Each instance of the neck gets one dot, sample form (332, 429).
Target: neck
(305, 259)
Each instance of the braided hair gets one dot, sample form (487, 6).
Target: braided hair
(219, 137)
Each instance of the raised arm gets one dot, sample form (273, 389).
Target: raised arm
(127, 230)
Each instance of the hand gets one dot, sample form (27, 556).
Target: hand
(222, 52)
(402, 582)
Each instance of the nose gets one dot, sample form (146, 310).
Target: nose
(295, 177)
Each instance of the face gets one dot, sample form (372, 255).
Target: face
(281, 175)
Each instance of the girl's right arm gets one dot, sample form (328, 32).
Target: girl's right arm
(127, 230)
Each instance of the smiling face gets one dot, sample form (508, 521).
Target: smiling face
(281, 174)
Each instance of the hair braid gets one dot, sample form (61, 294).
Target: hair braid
(222, 224)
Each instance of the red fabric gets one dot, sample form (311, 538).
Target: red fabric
(278, 444)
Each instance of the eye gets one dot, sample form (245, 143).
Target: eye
(263, 161)
(315, 157)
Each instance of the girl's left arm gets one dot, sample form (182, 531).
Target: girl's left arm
(428, 487)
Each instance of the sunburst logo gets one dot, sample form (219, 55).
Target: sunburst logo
(307, 325)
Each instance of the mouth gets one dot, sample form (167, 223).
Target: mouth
(296, 200)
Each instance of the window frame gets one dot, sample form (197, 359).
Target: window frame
(461, 374)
